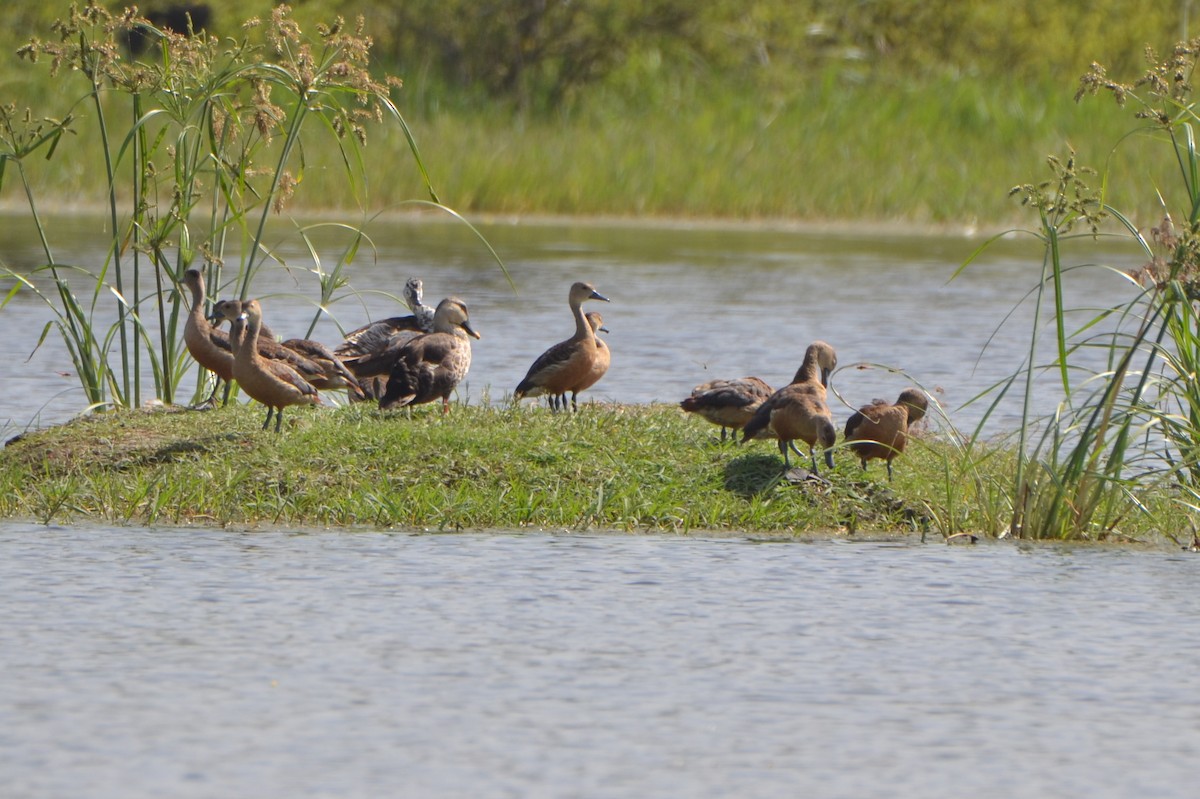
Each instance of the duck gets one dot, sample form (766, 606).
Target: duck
(377, 335)
(880, 429)
(728, 403)
(370, 351)
(273, 383)
(798, 410)
(332, 372)
(208, 345)
(600, 362)
(432, 364)
(569, 364)
(310, 359)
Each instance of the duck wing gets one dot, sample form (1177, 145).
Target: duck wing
(414, 377)
(547, 365)
(376, 336)
(382, 357)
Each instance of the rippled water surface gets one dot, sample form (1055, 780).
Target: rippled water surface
(199, 663)
(689, 303)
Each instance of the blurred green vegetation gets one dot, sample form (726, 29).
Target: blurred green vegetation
(861, 109)
(545, 52)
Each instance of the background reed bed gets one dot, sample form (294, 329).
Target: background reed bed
(760, 110)
(940, 151)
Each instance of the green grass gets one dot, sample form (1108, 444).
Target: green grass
(924, 151)
(624, 468)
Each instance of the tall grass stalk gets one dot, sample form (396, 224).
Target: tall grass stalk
(1136, 423)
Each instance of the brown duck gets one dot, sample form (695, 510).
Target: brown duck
(432, 364)
(273, 383)
(312, 360)
(798, 410)
(601, 361)
(880, 430)
(208, 345)
(568, 364)
(371, 350)
(333, 373)
(728, 403)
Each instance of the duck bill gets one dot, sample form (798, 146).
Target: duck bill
(598, 296)
(470, 331)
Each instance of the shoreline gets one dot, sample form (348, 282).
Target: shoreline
(867, 228)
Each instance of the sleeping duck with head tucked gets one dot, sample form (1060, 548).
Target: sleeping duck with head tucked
(728, 403)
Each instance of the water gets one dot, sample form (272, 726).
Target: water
(689, 303)
(200, 663)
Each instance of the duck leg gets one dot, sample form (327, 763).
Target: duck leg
(211, 401)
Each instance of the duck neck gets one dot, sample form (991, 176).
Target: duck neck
(197, 313)
(583, 328)
(809, 371)
(247, 345)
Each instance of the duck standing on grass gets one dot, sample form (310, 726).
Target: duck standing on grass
(209, 346)
(603, 357)
(568, 365)
(370, 351)
(432, 364)
(310, 359)
(880, 430)
(273, 383)
(798, 410)
(728, 403)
